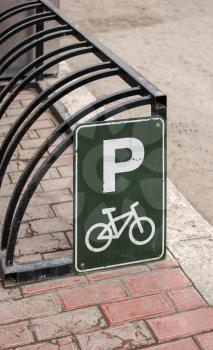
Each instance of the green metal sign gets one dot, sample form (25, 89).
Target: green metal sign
(119, 185)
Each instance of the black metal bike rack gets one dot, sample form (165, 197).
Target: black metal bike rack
(142, 92)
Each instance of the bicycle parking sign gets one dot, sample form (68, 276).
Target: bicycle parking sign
(119, 186)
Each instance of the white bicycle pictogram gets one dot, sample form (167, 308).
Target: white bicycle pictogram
(107, 232)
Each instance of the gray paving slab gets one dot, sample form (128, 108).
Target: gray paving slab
(190, 240)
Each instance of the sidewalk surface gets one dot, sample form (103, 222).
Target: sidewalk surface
(153, 306)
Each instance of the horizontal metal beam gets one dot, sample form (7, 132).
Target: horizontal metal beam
(25, 23)
(146, 84)
(35, 271)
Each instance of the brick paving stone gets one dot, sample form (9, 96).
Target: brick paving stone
(26, 101)
(67, 344)
(50, 225)
(186, 299)
(31, 134)
(68, 347)
(41, 212)
(8, 120)
(154, 282)
(51, 174)
(15, 104)
(66, 323)
(65, 171)
(163, 264)
(9, 294)
(120, 272)
(4, 205)
(129, 310)
(60, 253)
(4, 130)
(27, 258)
(67, 160)
(65, 340)
(25, 230)
(14, 112)
(32, 144)
(69, 235)
(41, 346)
(16, 165)
(52, 197)
(6, 180)
(69, 150)
(205, 340)
(127, 336)
(185, 344)
(57, 142)
(24, 155)
(182, 324)
(43, 287)
(64, 210)
(60, 183)
(50, 346)
(45, 132)
(37, 306)
(92, 295)
(47, 115)
(43, 124)
(41, 244)
(15, 175)
(1, 140)
(25, 94)
(15, 335)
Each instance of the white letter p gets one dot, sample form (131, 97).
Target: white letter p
(111, 168)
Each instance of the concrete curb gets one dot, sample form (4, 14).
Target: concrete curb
(190, 240)
(189, 235)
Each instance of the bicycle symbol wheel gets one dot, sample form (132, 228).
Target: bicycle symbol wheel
(142, 219)
(93, 234)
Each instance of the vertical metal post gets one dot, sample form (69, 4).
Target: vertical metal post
(39, 51)
(159, 107)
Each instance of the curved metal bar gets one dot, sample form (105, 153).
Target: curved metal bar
(29, 46)
(15, 7)
(58, 151)
(78, 49)
(29, 67)
(76, 74)
(25, 23)
(31, 120)
(30, 39)
(21, 8)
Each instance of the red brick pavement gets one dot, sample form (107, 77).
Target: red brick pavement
(153, 306)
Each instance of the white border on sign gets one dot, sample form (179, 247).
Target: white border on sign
(76, 187)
